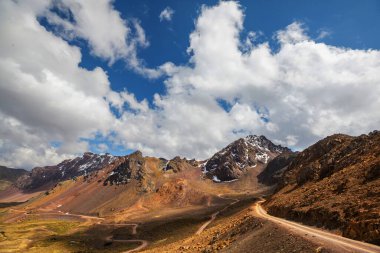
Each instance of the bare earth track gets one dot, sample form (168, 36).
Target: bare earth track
(335, 241)
(213, 216)
(144, 243)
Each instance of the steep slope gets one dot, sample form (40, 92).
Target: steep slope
(8, 176)
(243, 154)
(273, 172)
(334, 183)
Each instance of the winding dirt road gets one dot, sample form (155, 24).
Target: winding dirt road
(144, 243)
(213, 216)
(343, 244)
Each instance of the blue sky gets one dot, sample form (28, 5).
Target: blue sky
(182, 77)
(349, 23)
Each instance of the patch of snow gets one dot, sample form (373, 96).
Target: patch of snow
(229, 181)
(166, 165)
(216, 179)
(262, 157)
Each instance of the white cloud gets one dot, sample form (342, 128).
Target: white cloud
(323, 33)
(109, 36)
(45, 96)
(294, 33)
(301, 92)
(296, 95)
(166, 14)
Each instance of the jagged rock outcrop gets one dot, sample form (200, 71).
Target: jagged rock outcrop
(132, 167)
(232, 162)
(178, 164)
(334, 183)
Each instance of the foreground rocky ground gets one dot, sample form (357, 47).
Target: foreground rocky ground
(238, 229)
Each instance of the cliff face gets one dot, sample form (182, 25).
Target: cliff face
(334, 183)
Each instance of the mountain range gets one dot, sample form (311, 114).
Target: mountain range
(334, 184)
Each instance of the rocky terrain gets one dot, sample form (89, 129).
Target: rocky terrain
(334, 183)
(243, 154)
(238, 230)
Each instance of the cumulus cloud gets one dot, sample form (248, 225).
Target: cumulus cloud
(45, 97)
(295, 95)
(108, 35)
(166, 14)
(230, 87)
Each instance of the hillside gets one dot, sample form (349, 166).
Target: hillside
(334, 183)
(9, 176)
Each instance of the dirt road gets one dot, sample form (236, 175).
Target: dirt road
(327, 239)
(134, 226)
(213, 216)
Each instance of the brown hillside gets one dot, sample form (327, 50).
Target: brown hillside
(334, 183)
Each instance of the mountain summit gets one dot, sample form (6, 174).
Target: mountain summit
(234, 160)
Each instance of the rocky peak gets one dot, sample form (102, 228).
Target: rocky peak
(131, 167)
(178, 164)
(263, 144)
(233, 161)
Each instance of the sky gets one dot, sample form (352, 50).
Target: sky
(182, 77)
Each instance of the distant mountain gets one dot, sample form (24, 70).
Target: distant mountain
(68, 169)
(234, 160)
(94, 183)
(9, 176)
(334, 183)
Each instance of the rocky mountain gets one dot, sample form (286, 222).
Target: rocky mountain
(178, 164)
(68, 169)
(334, 183)
(8, 176)
(234, 160)
(94, 183)
(228, 164)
